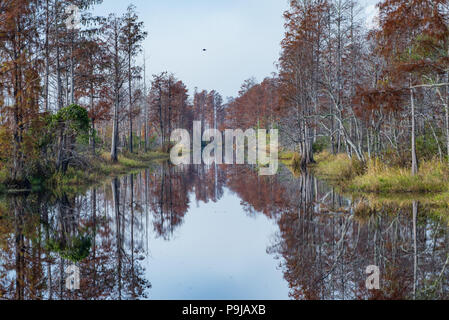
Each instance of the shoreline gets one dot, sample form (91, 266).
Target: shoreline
(99, 170)
(375, 177)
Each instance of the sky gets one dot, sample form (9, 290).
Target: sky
(242, 38)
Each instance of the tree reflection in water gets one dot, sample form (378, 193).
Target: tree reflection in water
(324, 244)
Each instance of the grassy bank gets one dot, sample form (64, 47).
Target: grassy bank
(102, 168)
(98, 169)
(352, 175)
(292, 160)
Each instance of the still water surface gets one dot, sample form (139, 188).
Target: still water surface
(220, 233)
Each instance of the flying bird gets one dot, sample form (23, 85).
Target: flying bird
(204, 50)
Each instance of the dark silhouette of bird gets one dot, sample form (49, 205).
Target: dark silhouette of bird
(204, 50)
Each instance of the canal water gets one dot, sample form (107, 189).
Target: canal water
(218, 232)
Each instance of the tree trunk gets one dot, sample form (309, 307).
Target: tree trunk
(72, 71)
(446, 110)
(115, 129)
(114, 156)
(414, 157)
(47, 56)
(58, 58)
(145, 128)
(130, 105)
(93, 138)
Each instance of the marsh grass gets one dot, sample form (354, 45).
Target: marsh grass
(339, 168)
(376, 177)
(296, 162)
(3, 178)
(292, 160)
(100, 168)
(432, 178)
(286, 156)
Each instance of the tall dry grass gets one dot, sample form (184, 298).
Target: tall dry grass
(377, 177)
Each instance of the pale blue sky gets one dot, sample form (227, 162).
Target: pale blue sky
(242, 38)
